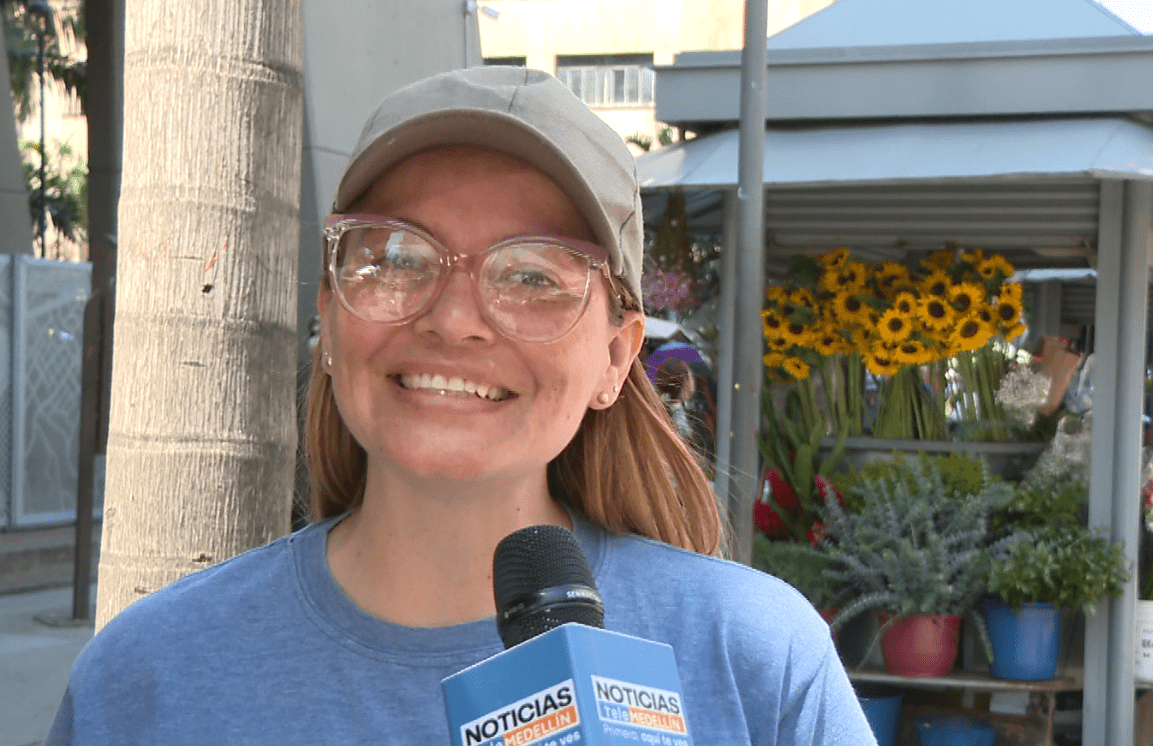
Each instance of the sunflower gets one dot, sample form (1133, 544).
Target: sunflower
(988, 268)
(1016, 331)
(778, 342)
(797, 368)
(913, 352)
(935, 313)
(894, 325)
(797, 334)
(776, 295)
(892, 277)
(880, 363)
(1007, 311)
(936, 283)
(966, 296)
(1012, 290)
(848, 308)
(905, 303)
(851, 275)
(938, 260)
(775, 365)
(835, 258)
(771, 322)
(827, 340)
(970, 333)
(974, 257)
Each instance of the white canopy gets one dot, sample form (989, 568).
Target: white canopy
(1093, 147)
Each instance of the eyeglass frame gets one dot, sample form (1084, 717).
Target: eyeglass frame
(337, 224)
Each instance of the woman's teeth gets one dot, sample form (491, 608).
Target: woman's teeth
(453, 386)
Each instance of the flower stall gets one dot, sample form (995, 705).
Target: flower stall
(955, 126)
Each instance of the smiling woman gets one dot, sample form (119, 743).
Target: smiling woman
(476, 373)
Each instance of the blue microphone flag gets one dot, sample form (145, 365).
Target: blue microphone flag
(571, 685)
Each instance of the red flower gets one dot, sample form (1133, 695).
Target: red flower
(767, 520)
(824, 486)
(781, 491)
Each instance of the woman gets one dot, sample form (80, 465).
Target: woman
(476, 373)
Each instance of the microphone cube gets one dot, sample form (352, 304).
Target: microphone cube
(571, 685)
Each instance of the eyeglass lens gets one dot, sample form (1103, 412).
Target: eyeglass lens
(530, 289)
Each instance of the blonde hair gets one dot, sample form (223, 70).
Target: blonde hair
(626, 469)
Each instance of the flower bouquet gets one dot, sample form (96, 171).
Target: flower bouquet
(925, 344)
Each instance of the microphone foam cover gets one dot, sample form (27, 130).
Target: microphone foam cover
(534, 560)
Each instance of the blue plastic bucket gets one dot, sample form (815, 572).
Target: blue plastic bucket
(955, 731)
(882, 706)
(1025, 642)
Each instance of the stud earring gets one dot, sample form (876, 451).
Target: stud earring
(603, 398)
(327, 360)
(616, 388)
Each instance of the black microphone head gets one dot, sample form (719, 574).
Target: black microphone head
(541, 580)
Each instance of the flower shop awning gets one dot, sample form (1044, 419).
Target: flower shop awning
(1040, 148)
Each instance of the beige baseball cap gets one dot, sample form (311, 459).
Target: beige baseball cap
(527, 114)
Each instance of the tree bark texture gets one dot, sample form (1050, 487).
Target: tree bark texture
(202, 432)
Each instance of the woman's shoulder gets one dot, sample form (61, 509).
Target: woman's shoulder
(719, 590)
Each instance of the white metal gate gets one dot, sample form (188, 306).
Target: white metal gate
(41, 330)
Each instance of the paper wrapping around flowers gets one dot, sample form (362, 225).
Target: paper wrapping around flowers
(1054, 360)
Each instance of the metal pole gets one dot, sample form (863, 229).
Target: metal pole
(91, 368)
(748, 366)
(725, 352)
(1133, 303)
(43, 143)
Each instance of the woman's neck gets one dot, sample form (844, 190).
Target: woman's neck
(419, 552)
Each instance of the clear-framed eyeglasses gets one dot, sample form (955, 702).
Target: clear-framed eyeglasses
(531, 288)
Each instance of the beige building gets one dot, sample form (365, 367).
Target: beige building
(605, 50)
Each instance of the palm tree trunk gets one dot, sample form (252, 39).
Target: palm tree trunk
(202, 426)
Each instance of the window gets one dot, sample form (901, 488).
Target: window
(608, 80)
(512, 61)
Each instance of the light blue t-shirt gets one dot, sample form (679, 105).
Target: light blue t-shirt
(267, 649)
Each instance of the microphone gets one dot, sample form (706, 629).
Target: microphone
(541, 580)
(562, 679)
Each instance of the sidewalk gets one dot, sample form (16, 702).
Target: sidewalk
(35, 659)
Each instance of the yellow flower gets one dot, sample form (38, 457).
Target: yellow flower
(771, 322)
(1007, 312)
(1016, 331)
(892, 277)
(835, 258)
(913, 352)
(827, 340)
(776, 295)
(906, 304)
(880, 363)
(894, 326)
(938, 260)
(1012, 290)
(966, 296)
(848, 308)
(797, 334)
(852, 275)
(970, 333)
(974, 257)
(937, 283)
(935, 313)
(778, 342)
(797, 368)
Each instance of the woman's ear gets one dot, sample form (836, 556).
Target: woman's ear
(624, 345)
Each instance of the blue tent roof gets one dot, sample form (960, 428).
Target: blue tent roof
(870, 23)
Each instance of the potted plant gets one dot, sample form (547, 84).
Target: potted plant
(912, 545)
(1049, 561)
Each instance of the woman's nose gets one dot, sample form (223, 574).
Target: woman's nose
(455, 315)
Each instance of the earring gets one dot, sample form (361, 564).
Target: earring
(616, 388)
(327, 360)
(603, 398)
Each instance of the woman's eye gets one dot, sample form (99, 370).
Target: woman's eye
(531, 278)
